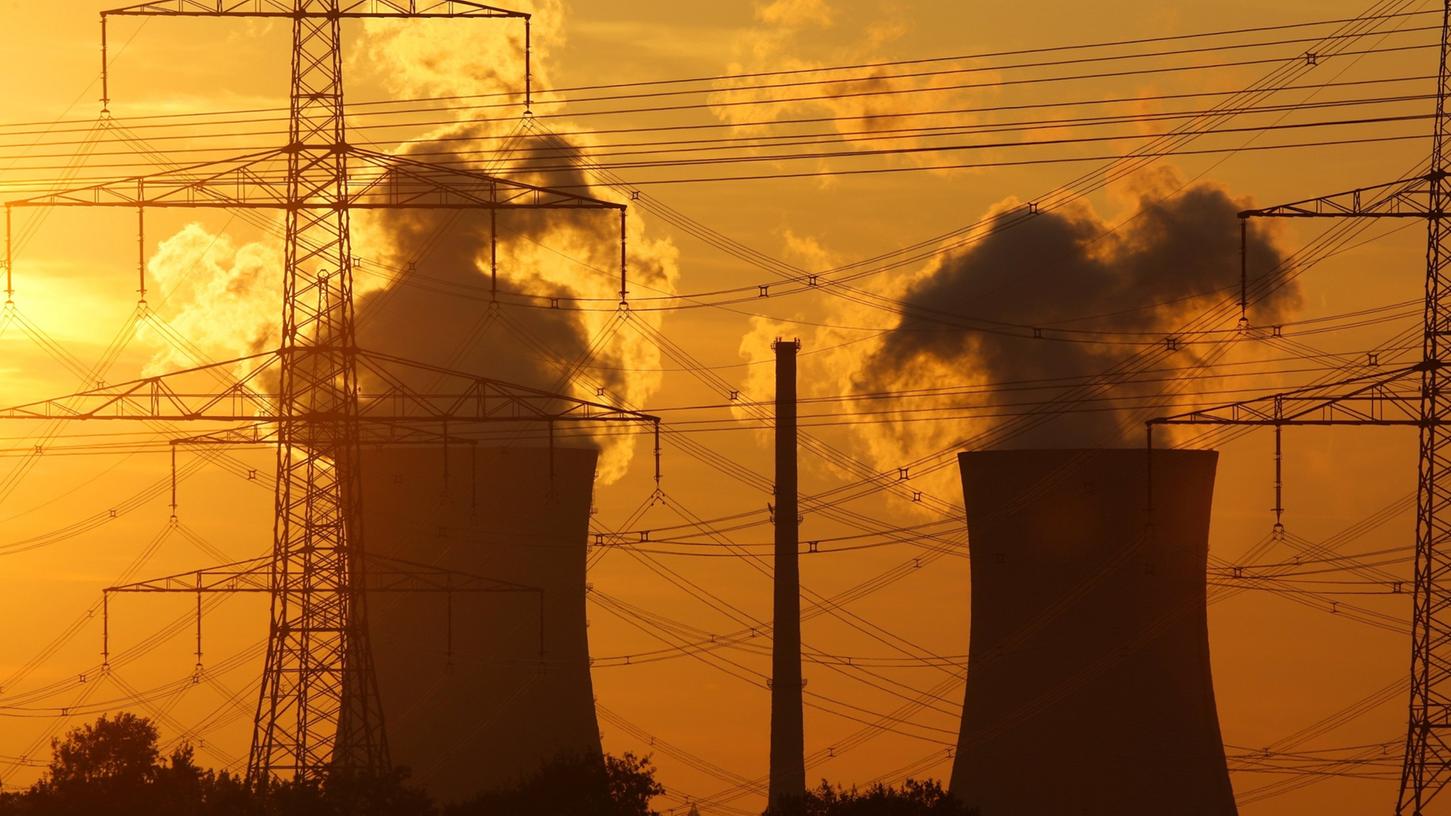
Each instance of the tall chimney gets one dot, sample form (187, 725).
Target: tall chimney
(788, 763)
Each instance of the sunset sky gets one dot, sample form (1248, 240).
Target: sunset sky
(768, 138)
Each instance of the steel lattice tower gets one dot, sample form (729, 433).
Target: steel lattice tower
(319, 698)
(1428, 750)
(318, 710)
(1413, 396)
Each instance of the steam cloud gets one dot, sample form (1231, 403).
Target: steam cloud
(1070, 269)
(436, 306)
(438, 309)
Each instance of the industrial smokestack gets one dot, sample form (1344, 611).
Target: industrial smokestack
(788, 761)
(1088, 685)
(470, 703)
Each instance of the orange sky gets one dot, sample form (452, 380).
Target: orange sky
(1279, 665)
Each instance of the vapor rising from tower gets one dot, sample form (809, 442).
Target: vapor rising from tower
(973, 314)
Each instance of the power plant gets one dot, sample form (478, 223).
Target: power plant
(1088, 663)
(475, 694)
(427, 583)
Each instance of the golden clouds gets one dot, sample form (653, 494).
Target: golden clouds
(223, 297)
(795, 13)
(431, 58)
(783, 77)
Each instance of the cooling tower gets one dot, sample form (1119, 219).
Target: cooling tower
(492, 710)
(1088, 683)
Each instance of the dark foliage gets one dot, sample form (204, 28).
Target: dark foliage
(913, 798)
(114, 766)
(579, 784)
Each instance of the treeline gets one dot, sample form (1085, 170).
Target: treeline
(115, 766)
(913, 798)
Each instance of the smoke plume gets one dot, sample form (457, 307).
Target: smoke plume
(423, 284)
(439, 310)
(1069, 270)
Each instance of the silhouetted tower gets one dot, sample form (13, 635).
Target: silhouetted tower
(505, 686)
(1414, 396)
(318, 677)
(1088, 676)
(788, 749)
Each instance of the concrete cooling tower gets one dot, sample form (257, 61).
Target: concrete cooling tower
(493, 710)
(1088, 683)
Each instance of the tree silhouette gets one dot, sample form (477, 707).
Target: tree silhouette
(913, 798)
(114, 766)
(113, 753)
(576, 784)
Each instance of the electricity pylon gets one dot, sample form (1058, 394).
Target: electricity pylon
(1412, 396)
(318, 710)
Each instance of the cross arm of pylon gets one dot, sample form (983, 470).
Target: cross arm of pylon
(1404, 198)
(176, 396)
(383, 575)
(382, 180)
(252, 575)
(376, 181)
(251, 180)
(370, 434)
(212, 393)
(1391, 398)
(464, 397)
(287, 8)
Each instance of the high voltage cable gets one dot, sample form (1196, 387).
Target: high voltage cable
(894, 259)
(771, 101)
(908, 151)
(905, 114)
(1099, 158)
(516, 96)
(558, 146)
(555, 145)
(720, 605)
(996, 409)
(868, 79)
(36, 185)
(1079, 186)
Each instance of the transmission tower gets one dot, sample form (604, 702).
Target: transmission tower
(318, 711)
(1411, 396)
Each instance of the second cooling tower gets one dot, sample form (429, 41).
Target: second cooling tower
(1088, 685)
(468, 701)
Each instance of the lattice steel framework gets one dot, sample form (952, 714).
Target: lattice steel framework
(319, 700)
(1412, 396)
(318, 710)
